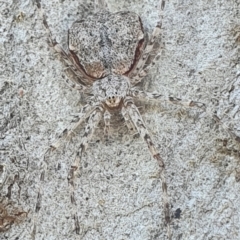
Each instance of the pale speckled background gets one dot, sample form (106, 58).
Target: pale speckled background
(118, 190)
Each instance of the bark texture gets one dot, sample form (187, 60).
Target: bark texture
(118, 189)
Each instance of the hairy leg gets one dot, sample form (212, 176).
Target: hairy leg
(78, 77)
(67, 134)
(137, 120)
(139, 70)
(92, 123)
(127, 119)
(142, 95)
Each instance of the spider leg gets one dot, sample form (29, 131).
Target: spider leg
(92, 123)
(137, 120)
(107, 117)
(86, 111)
(78, 77)
(138, 72)
(43, 164)
(68, 133)
(127, 119)
(229, 130)
(142, 95)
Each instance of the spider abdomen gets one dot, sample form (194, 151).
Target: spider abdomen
(106, 43)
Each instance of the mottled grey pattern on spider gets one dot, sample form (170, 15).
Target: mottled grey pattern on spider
(108, 55)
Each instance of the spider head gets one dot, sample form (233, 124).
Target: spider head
(113, 101)
(111, 90)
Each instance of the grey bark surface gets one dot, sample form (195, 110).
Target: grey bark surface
(118, 188)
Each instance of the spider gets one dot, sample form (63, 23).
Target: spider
(108, 55)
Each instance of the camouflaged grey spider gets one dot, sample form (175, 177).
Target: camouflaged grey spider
(108, 55)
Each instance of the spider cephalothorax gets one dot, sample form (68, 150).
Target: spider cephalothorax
(111, 90)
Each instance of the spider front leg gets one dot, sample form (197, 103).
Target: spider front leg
(67, 134)
(142, 95)
(138, 122)
(138, 72)
(92, 123)
(77, 76)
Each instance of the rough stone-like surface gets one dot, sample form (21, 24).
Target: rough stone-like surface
(118, 189)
